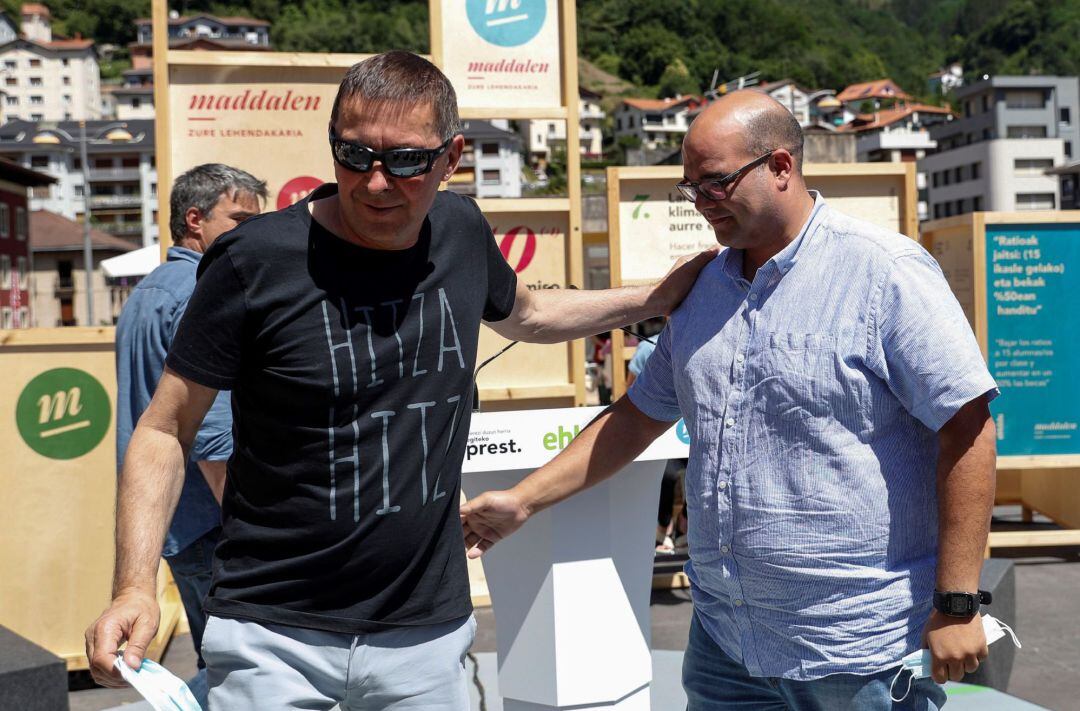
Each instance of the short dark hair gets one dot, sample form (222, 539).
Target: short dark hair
(401, 77)
(773, 128)
(202, 187)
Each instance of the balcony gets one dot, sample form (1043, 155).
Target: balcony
(120, 228)
(595, 114)
(115, 201)
(106, 174)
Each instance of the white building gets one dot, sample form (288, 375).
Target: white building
(1012, 130)
(46, 79)
(123, 177)
(655, 122)
(134, 99)
(794, 98)
(491, 162)
(541, 136)
(231, 32)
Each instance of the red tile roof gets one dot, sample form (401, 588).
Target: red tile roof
(887, 117)
(33, 8)
(68, 44)
(49, 231)
(223, 20)
(880, 89)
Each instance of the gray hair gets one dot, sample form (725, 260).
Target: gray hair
(402, 78)
(772, 128)
(202, 187)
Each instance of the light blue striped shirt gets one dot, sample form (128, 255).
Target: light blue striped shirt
(812, 396)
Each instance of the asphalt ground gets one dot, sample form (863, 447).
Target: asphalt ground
(1046, 671)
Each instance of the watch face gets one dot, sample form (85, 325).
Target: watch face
(958, 604)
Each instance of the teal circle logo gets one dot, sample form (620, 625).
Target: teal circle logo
(63, 413)
(681, 432)
(506, 23)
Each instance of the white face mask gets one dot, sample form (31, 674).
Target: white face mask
(919, 662)
(157, 685)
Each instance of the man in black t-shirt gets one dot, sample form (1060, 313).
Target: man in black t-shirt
(346, 327)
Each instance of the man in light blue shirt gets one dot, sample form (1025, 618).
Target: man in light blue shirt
(842, 451)
(206, 202)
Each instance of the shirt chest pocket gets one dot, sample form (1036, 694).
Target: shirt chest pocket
(799, 378)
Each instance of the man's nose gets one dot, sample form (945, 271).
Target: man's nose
(379, 180)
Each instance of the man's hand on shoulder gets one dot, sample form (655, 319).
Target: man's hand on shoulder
(670, 291)
(957, 645)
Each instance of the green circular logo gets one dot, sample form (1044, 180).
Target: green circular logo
(63, 413)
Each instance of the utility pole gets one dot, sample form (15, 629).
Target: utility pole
(88, 253)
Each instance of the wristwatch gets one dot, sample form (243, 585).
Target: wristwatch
(960, 604)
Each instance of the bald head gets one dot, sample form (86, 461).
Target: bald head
(760, 121)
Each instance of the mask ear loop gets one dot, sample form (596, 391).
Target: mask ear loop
(892, 686)
(1012, 634)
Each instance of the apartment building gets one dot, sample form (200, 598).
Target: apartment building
(122, 193)
(996, 155)
(14, 244)
(200, 32)
(46, 78)
(541, 136)
(490, 165)
(656, 122)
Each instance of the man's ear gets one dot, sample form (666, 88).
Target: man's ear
(782, 164)
(193, 219)
(453, 152)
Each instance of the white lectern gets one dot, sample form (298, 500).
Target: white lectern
(570, 589)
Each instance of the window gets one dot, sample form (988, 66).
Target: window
(1032, 166)
(36, 81)
(491, 177)
(9, 64)
(5, 220)
(67, 81)
(37, 117)
(944, 177)
(934, 178)
(489, 149)
(977, 207)
(136, 102)
(975, 170)
(79, 191)
(985, 103)
(11, 100)
(24, 317)
(11, 81)
(958, 174)
(967, 109)
(937, 211)
(39, 161)
(1035, 201)
(24, 275)
(20, 223)
(64, 62)
(41, 192)
(37, 100)
(1027, 132)
(5, 271)
(5, 317)
(1064, 115)
(35, 63)
(153, 189)
(1068, 149)
(67, 98)
(1024, 99)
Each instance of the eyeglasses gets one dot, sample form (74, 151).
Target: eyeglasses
(399, 162)
(717, 188)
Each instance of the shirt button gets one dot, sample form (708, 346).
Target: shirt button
(738, 603)
(730, 422)
(722, 485)
(740, 358)
(753, 297)
(725, 549)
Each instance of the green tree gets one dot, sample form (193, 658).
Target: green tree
(676, 80)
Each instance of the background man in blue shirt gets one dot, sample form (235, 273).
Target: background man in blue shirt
(206, 202)
(842, 452)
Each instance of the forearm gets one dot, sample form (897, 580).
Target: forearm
(965, 486)
(148, 491)
(214, 472)
(610, 442)
(557, 315)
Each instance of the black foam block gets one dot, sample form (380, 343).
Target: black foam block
(31, 678)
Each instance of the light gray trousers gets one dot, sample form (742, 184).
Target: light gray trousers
(253, 665)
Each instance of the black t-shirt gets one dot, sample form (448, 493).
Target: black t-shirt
(349, 370)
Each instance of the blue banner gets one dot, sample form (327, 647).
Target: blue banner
(1033, 336)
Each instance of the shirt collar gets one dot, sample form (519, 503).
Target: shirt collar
(182, 254)
(785, 258)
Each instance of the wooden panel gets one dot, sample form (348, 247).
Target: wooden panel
(952, 247)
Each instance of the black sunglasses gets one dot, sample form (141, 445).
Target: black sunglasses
(717, 188)
(399, 162)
